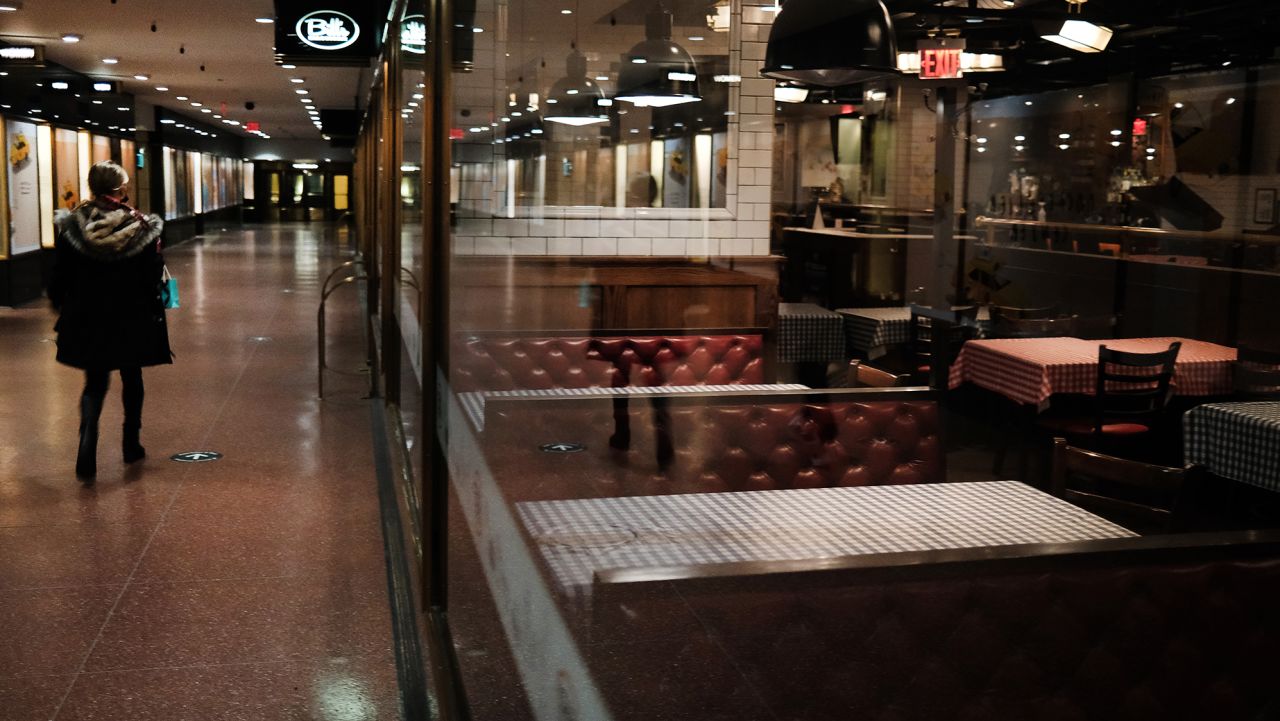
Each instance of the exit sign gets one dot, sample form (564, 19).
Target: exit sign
(940, 59)
(252, 126)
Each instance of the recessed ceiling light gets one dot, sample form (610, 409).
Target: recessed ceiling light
(111, 61)
(205, 110)
(297, 80)
(302, 91)
(58, 85)
(141, 76)
(10, 7)
(264, 21)
(477, 30)
(197, 105)
(71, 37)
(696, 38)
(162, 88)
(288, 66)
(602, 78)
(182, 97)
(1231, 101)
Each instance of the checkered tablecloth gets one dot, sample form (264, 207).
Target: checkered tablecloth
(1240, 441)
(473, 402)
(870, 332)
(809, 333)
(1029, 370)
(579, 537)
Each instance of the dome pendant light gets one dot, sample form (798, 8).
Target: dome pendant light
(825, 44)
(657, 72)
(575, 99)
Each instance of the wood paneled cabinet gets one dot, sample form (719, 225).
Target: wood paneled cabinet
(572, 292)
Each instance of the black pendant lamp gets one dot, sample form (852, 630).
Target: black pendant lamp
(575, 99)
(830, 44)
(657, 72)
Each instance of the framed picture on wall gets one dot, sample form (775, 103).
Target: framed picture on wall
(1264, 206)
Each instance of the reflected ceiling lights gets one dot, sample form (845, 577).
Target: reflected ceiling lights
(575, 99)
(825, 44)
(786, 94)
(657, 72)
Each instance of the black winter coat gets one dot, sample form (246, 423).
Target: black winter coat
(106, 287)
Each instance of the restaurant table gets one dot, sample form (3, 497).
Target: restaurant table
(580, 537)
(1030, 370)
(809, 333)
(1239, 441)
(473, 402)
(872, 331)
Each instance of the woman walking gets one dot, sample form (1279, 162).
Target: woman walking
(106, 287)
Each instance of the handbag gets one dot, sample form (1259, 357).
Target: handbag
(168, 289)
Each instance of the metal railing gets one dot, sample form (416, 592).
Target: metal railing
(327, 289)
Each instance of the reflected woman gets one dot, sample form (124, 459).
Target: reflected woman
(106, 288)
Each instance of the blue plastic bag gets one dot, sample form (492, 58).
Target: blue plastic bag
(169, 290)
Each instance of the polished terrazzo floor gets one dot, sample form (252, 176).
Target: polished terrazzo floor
(248, 588)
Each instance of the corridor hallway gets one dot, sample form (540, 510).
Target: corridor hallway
(252, 587)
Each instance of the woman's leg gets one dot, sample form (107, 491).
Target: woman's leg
(132, 392)
(95, 389)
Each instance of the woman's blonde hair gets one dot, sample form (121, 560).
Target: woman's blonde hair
(106, 177)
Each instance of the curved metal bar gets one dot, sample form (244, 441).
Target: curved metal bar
(358, 260)
(413, 279)
(322, 366)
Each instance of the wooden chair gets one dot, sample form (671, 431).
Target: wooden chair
(865, 376)
(1004, 327)
(936, 337)
(1131, 394)
(1139, 496)
(1256, 374)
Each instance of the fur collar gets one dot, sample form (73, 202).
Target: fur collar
(107, 233)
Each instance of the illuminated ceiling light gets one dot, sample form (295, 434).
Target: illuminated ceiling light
(72, 37)
(297, 80)
(264, 21)
(162, 88)
(818, 42)
(1064, 136)
(1082, 36)
(477, 30)
(141, 76)
(1019, 148)
(111, 61)
(12, 6)
(981, 141)
(1115, 143)
(1064, 146)
(1019, 138)
(566, 12)
(576, 97)
(696, 38)
(982, 149)
(197, 105)
(667, 76)
(288, 66)
(102, 87)
(788, 94)
(1231, 101)
(302, 91)
(59, 85)
(205, 110)
(1028, 103)
(183, 97)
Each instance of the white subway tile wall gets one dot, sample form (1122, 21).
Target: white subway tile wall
(742, 228)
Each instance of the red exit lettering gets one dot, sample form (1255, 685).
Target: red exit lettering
(940, 63)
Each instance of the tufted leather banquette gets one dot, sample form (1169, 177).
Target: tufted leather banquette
(586, 359)
(747, 442)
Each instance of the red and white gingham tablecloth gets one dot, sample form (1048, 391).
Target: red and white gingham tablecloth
(1030, 370)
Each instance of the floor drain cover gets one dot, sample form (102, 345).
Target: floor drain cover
(195, 456)
(562, 448)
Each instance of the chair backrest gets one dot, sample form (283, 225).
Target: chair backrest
(1256, 373)
(936, 337)
(1131, 493)
(865, 376)
(1033, 327)
(1132, 386)
(1009, 312)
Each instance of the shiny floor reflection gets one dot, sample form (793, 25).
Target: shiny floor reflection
(248, 588)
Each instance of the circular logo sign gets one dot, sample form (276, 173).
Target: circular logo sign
(562, 448)
(195, 456)
(327, 30)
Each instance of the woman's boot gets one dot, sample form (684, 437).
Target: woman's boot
(132, 395)
(87, 457)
